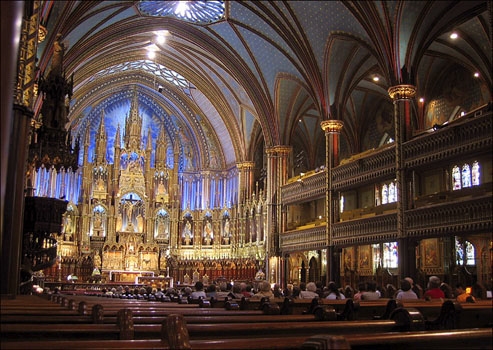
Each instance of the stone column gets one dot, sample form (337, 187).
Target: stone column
(332, 129)
(402, 96)
(18, 124)
(277, 163)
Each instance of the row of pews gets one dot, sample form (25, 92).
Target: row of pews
(91, 322)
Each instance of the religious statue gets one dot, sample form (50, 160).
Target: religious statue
(187, 233)
(58, 53)
(97, 260)
(162, 261)
(129, 206)
(208, 235)
(140, 223)
(195, 276)
(100, 185)
(98, 223)
(226, 233)
(188, 157)
(260, 275)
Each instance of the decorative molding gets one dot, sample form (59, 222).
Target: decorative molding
(306, 239)
(402, 92)
(332, 126)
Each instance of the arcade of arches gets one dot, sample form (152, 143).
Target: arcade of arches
(293, 141)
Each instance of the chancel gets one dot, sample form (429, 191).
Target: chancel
(250, 150)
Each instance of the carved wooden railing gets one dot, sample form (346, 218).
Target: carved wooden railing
(376, 166)
(305, 189)
(470, 134)
(304, 239)
(367, 230)
(452, 218)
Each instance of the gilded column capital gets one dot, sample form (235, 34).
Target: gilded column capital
(245, 165)
(332, 126)
(279, 149)
(402, 91)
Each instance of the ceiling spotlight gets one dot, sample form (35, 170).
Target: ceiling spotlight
(454, 35)
(375, 78)
(476, 75)
(299, 120)
(151, 55)
(421, 99)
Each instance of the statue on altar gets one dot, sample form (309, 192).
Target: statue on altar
(260, 275)
(187, 233)
(226, 231)
(208, 234)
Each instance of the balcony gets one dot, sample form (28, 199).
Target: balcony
(310, 238)
(451, 218)
(304, 188)
(365, 230)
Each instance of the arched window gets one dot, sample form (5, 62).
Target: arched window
(459, 252)
(470, 259)
(376, 256)
(476, 175)
(456, 184)
(466, 175)
(390, 255)
(385, 194)
(392, 193)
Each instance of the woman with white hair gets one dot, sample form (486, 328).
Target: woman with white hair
(264, 291)
(310, 292)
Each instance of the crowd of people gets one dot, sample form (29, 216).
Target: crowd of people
(366, 291)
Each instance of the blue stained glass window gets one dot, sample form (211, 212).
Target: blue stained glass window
(385, 194)
(392, 193)
(456, 184)
(390, 255)
(470, 260)
(459, 252)
(199, 12)
(476, 175)
(466, 176)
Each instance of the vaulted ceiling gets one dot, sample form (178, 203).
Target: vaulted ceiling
(274, 68)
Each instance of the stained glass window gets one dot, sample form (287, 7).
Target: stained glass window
(200, 12)
(456, 184)
(390, 255)
(392, 193)
(459, 252)
(466, 176)
(385, 194)
(156, 69)
(469, 253)
(377, 196)
(376, 256)
(475, 174)
(341, 204)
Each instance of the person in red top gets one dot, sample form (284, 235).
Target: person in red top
(434, 291)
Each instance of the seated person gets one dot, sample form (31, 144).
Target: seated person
(371, 292)
(361, 290)
(434, 291)
(334, 293)
(310, 292)
(277, 291)
(223, 291)
(199, 291)
(406, 292)
(462, 295)
(211, 291)
(236, 293)
(264, 291)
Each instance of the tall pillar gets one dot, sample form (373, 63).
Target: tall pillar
(277, 175)
(245, 180)
(402, 96)
(332, 129)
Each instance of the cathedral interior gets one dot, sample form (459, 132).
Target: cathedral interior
(294, 141)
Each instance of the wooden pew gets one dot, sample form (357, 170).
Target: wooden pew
(175, 336)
